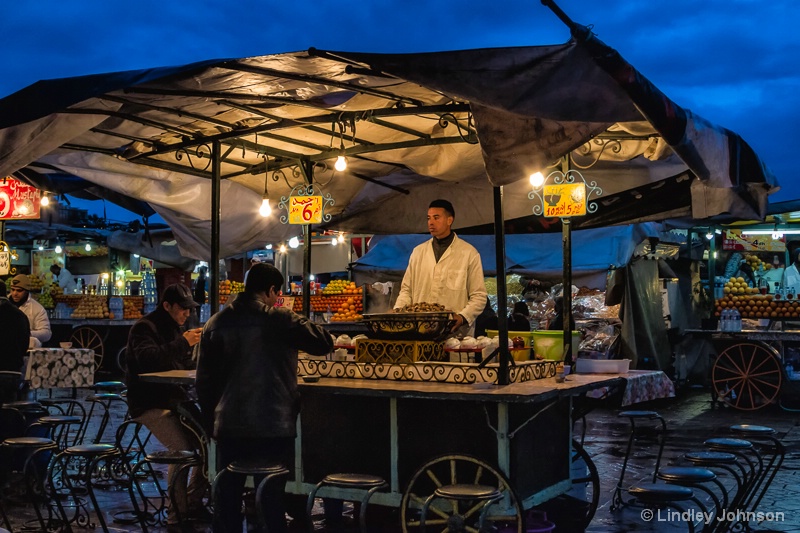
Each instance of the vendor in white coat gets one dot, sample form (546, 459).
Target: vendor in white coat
(64, 278)
(445, 270)
(37, 316)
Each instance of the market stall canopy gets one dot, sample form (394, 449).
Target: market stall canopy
(595, 251)
(413, 127)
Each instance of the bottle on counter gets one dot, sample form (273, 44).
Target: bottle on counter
(737, 320)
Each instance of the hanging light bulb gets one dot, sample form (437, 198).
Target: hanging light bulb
(265, 210)
(59, 249)
(340, 238)
(45, 201)
(341, 163)
(537, 179)
(282, 249)
(41, 247)
(710, 235)
(334, 241)
(294, 242)
(88, 247)
(268, 247)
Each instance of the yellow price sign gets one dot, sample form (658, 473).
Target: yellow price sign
(305, 209)
(565, 200)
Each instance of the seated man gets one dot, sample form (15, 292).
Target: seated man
(37, 316)
(156, 344)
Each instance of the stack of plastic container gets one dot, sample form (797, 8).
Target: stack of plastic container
(148, 290)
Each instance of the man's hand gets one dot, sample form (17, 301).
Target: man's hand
(460, 321)
(192, 336)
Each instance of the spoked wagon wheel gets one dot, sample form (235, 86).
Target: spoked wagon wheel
(747, 375)
(87, 337)
(585, 491)
(446, 515)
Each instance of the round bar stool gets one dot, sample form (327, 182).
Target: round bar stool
(723, 461)
(36, 451)
(59, 428)
(740, 448)
(88, 456)
(182, 459)
(663, 495)
(31, 410)
(775, 450)
(462, 493)
(371, 484)
(105, 400)
(634, 417)
(109, 386)
(697, 477)
(273, 474)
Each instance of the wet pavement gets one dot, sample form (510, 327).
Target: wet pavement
(691, 419)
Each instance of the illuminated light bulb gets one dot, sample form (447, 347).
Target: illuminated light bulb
(120, 283)
(709, 235)
(45, 201)
(59, 249)
(88, 247)
(340, 238)
(334, 241)
(282, 249)
(311, 277)
(294, 242)
(341, 163)
(23, 209)
(537, 179)
(136, 256)
(105, 275)
(715, 255)
(268, 247)
(265, 210)
(41, 247)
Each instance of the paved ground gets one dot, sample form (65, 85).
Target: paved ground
(691, 419)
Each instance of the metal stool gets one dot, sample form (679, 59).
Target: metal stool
(58, 428)
(272, 474)
(36, 451)
(696, 477)
(662, 495)
(723, 461)
(633, 417)
(371, 484)
(461, 493)
(88, 456)
(776, 453)
(104, 399)
(109, 386)
(183, 459)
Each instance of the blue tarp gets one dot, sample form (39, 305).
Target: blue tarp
(540, 255)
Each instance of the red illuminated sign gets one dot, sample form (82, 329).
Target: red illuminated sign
(18, 200)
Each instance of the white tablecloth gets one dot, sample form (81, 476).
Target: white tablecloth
(57, 367)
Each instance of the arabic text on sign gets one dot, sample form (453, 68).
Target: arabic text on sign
(18, 200)
(305, 209)
(5, 263)
(565, 200)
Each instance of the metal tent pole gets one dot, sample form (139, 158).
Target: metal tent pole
(502, 298)
(213, 267)
(566, 238)
(308, 172)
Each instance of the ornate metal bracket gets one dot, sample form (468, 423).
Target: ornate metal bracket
(594, 150)
(446, 118)
(557, 177)
(12, 255)
(200, 152)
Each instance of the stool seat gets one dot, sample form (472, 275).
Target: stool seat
(639, 414)
(710, 458)
(661, 493)
(60, 419)
(359, 481)
(167, 457)
(23, 404)
(102, 396)
(109, 385)
(28, 442)
(255, 468)
(755, 431)
(723, 443)
(90, 450)
(686, 474)
(462, 491)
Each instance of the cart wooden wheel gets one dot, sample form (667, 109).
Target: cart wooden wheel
(443, 515)
(87, 337)
(122, 359)
(747, 375)
(585, 491)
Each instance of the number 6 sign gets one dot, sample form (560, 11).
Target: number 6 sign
(305, 210)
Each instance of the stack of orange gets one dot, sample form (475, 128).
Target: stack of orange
(348, 311)
(759, 306)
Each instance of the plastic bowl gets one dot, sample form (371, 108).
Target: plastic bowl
(310, 379)
(65, 345)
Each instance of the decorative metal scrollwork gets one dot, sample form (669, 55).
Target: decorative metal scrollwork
(589, 150)
(439, 372)
(306, 190)
(446, 118)
(200, 152)
(558, 178)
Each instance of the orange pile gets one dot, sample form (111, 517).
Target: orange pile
(759, 306)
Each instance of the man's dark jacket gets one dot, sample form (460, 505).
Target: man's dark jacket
(155, 344)
(247, 368)
(16, 335)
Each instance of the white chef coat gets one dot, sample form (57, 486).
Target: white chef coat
(66, 281)
(791, 278)
(455, 282)
(37, 318)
